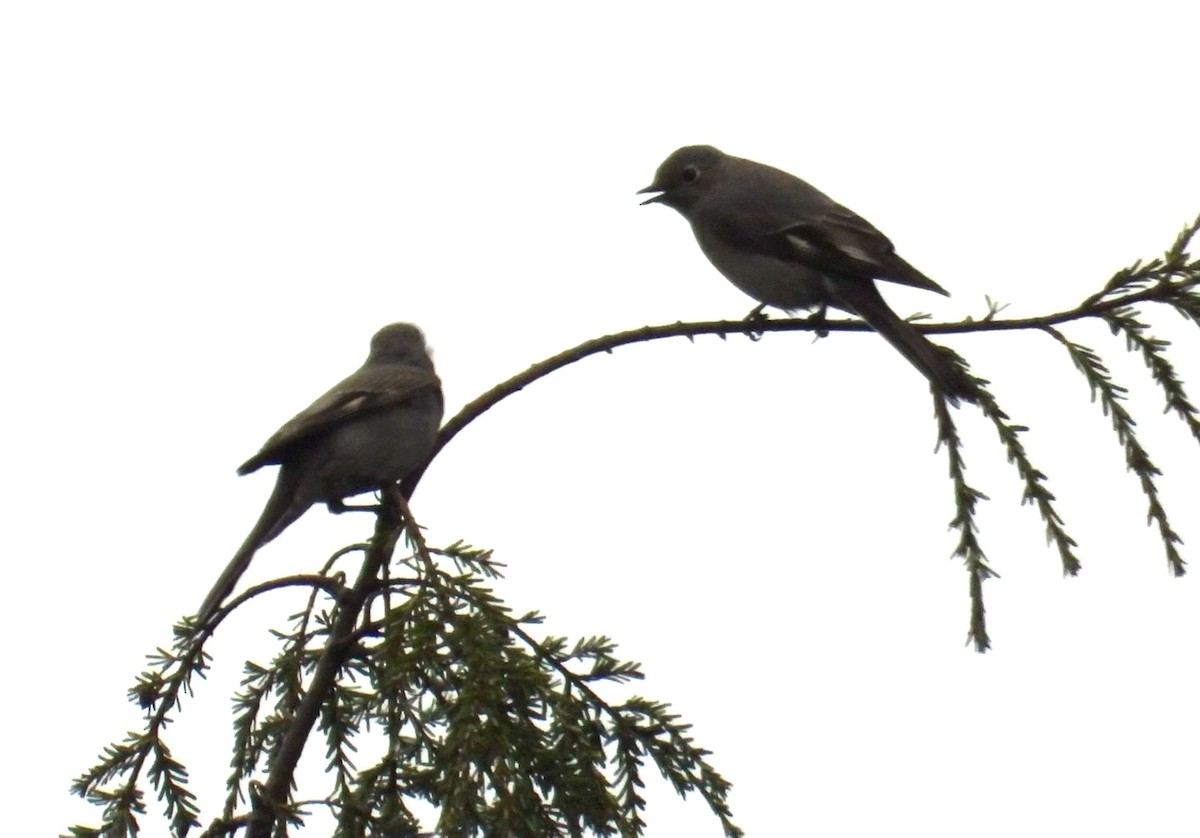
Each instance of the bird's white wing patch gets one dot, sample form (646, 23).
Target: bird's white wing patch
(801, 244)
(804, 247)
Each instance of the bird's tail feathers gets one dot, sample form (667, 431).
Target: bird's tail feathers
(281, 510)
(934, 363)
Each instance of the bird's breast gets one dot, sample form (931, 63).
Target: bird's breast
(783, 284)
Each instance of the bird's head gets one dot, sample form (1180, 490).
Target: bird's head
(684, 176)
(400, 342)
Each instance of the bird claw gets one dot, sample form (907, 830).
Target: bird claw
(820, 324)
(756, 316)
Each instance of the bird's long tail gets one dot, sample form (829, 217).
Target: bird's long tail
(281, 510)
(864, 299)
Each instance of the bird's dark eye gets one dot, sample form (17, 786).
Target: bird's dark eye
(690, 174)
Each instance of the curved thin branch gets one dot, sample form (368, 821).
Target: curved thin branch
(1162, 291)
(309, 580)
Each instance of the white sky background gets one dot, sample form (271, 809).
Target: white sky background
(207, 210)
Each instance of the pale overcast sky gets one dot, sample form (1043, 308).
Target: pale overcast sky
(206, 210)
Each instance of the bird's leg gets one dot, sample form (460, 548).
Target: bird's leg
(817, 318)
(756, 316)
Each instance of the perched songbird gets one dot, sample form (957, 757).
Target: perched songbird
(792, 247)
(370, 431)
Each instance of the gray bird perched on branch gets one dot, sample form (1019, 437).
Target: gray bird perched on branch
(370, 431)
(790, 246)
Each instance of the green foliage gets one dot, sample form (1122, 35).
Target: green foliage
(1173, 281)
(157, 691)
(498, 732)
(1112, 402)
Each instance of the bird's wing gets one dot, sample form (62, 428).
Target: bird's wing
(366, 390)
(842, 243)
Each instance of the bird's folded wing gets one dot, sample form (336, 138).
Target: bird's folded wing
(842, 243)
(368, 389)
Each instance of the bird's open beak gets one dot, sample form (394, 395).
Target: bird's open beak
(653, 198)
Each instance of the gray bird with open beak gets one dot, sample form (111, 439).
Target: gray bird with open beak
(791, 247)
(370, 431)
